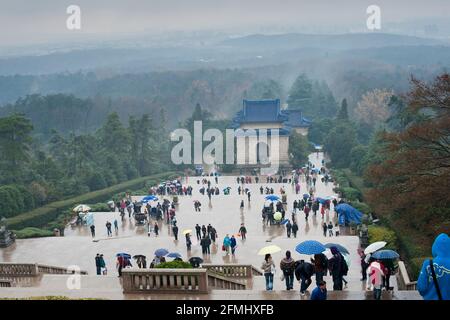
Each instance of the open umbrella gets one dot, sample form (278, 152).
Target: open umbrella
(375, 246)
(269, 249)
(385, 255)
(137, 256)
(161, 252)
(125, 255)
(277, 216)
(340, 248)
(185, 232)
(81, 208)
(285, 221)
(173, 255)
(149, 198)
(310, 247)
(272, 197)
(305, 195)
(195, 261)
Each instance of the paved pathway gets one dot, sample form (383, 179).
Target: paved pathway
(78, 248)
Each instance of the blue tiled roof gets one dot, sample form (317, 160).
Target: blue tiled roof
(261, 111)
(255, 111)
(296, 119)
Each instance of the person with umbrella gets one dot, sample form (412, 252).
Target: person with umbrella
(338, 268)
(320, 263)
(268, 268)
(303, 272)
(120, 263)
(375, 279)
(364, 264)
(287, 265)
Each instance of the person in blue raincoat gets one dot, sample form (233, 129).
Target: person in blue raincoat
(441, 265)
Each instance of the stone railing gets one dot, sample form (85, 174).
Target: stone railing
(165, 280)
(57, 270)
(18, 269)
(5, 283)
(31, 270)
(403, 281)
(231, 270)
(217, 281)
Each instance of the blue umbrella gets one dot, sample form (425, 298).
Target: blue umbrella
(125, 255)
(161, 252)
(315, 170)
(150, 198)
(174, 255)
(310, 247)
(305, 195)
(385, 254)
(284, 221)
(340, 248)
(321, 200)
(272, 198)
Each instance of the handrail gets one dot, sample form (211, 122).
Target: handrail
(218, 281)
(231, 270)
(403, 280)
(33, 269)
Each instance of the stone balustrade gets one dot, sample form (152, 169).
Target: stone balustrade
(217, 281)
(19, 269)
(231, 270)
(5, 283)
(31, 270)
(403, 281)
(57, 270)
(165, 280)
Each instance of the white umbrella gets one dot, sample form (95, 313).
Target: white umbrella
(375, 246)
(81, 208)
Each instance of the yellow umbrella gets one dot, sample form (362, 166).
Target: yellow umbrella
(269, 249)
(277, 216)
(185, 232)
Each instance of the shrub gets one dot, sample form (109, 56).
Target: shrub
(351, 194)
(32, 233)
(377, 233)
(174, 265)
(361, 206)
(99, 207)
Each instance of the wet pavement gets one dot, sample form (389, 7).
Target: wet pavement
(77, 247)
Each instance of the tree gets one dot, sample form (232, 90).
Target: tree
(301, 93)
(339, 142)
(15, 141)
(413, 176)
(343, 111)
(268, 89)
(373, 108)
(298, 149)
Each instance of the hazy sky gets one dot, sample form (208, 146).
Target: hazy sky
(24, 22)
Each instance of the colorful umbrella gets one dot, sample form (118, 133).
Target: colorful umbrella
(174, 255)
(272, 198)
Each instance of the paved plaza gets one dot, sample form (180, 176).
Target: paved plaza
(77, 247)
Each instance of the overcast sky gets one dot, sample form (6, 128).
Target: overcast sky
(24, 22)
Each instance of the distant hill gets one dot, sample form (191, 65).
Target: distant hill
(337, 42)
